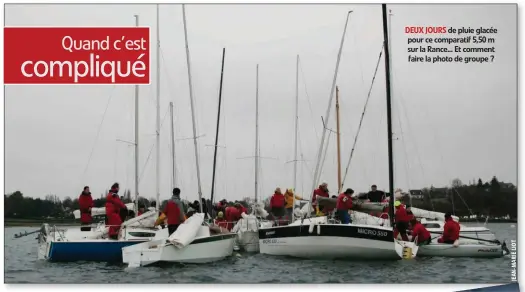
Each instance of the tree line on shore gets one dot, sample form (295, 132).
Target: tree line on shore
(483, 199)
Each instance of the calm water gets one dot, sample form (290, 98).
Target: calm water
(22, 266)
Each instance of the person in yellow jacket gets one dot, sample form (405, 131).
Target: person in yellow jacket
(289, 198)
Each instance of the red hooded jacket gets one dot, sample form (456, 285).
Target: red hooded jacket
(450, 230)
(174, 211)
(85, 201)
(231, 215)
(277, 201)
(113, 206)
(421, 232)
(344, 202)
(318, 192)
(401, 214)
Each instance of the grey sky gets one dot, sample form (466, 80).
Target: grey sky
(461, 117)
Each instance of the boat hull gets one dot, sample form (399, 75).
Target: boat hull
(329, 241)
(463, 250)
(97, 251)
(248, 241)
(201, 250)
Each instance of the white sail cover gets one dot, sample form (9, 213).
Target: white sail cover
(145, 220)
(187, 231)
(99, 211)
(366, 219)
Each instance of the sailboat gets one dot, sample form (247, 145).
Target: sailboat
(70, 245)
(477, 242)
(193, 242)
(315, 237)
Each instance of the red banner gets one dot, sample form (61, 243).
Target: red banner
(76, 55)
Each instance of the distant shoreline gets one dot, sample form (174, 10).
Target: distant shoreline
(16, 222)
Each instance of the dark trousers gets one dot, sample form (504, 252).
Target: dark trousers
(172, 228)
(401, 228)
(85, 227)
(115, 236)
(343, 216)
(425, 242)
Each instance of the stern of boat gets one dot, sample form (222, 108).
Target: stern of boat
(406, 250)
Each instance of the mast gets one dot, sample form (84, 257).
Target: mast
(217, 132)
(339, 185)
(192, 110)
(296, 130)
(256, 129)
(157, 156)
(320, 151)
(389, 117)
(136, 205)
(173, 169)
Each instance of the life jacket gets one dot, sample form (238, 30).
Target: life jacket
(344, 202)
(231, 215)
(277, 201)
(85, 201)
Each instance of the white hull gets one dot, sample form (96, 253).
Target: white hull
(316, 240)
(325, 247)
(463, 250)
(248, 241)
(157, 251)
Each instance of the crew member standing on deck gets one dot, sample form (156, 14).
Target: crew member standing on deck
(289, 197)
(174, 211)
(344, 204)
(321, 191)
(113, 207)
(402, 220)
(85, 203)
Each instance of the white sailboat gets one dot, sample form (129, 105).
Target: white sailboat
(69, 245)
(318, 238)
(192, 242)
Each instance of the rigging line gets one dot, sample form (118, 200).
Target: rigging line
(151, 149)
(403, 109)
(98, 131)
(436, 141)
(360, 62)
(362, 116)
(308, 97)
(402, 137)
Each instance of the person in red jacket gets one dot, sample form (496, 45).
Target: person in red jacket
(174, 211)
(420, 232)
(321, 191)
(85, 203)
(113, 207)
(344, 203)
(277, 203)
(220, 221)
(232, 215)
(450, 230)
(402, 220)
